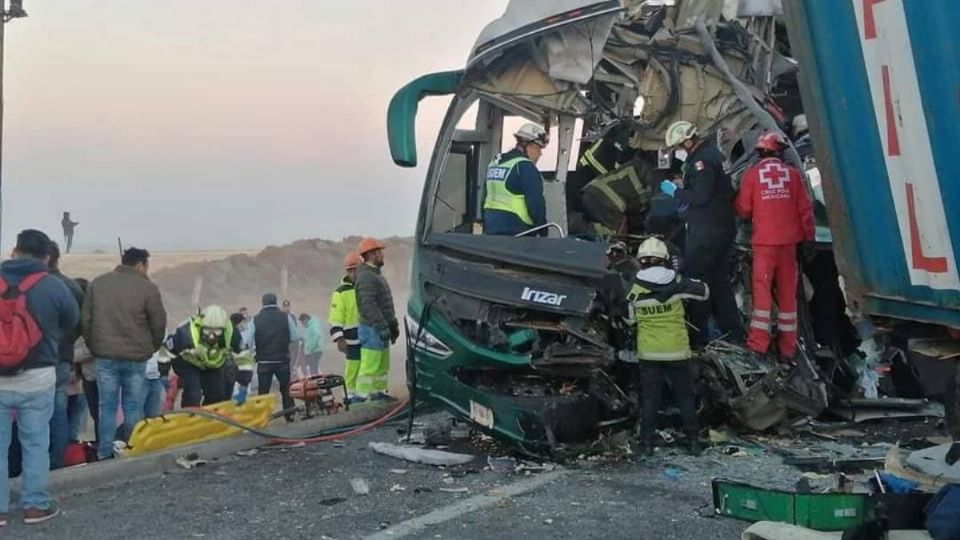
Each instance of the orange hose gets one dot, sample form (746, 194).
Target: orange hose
(356, 431)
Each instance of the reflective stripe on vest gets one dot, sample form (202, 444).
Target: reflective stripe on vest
(499, 197)
(589, 160)
(200, 356)
(605, 185)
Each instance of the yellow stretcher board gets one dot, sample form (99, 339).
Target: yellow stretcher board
(161, 433)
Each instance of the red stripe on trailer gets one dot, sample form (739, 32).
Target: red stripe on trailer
(936, 265)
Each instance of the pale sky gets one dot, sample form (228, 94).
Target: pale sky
(220, 123)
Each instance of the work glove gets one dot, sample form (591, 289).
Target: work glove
(239, 393)
(394, 331)
(668, 187)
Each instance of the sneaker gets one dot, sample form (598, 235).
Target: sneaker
(32, 516)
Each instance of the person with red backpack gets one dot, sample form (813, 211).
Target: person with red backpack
(36, 312)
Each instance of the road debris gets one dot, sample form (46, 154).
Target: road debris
(332, 501)
(421, 455)
(248, 453)
(502, 465)
(932, 461)
(191, 460)
(399, 471)
(454, 490)
(397, 488)
(360, 486)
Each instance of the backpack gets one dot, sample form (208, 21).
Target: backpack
(943, 514)
(19, 331)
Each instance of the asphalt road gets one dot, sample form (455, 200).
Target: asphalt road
(306, 492)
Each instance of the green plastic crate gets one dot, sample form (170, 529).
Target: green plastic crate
(832, 511)
(823, 512)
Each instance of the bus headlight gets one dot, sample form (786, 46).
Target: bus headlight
(425, 341)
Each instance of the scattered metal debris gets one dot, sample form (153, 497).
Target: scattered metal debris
(421, 455)
(191, 460)
(360, 486)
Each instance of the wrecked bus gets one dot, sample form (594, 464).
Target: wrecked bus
(524, 336)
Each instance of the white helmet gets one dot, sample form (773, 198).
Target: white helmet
(679, 131)
(799, 123)
(215, 317)
(653, 248)
(532, 133)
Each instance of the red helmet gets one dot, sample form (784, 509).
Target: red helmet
(769, 141)
(352, 260)
(369, 244)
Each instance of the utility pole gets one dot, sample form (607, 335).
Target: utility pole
(15, 12)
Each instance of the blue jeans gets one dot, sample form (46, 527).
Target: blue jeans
(59, 422)
(121, 384)
(77, 413)
(33, 426)
(153, 397)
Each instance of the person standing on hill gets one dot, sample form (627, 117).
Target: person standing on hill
(68, 227)
(379, 327)
(124, 323)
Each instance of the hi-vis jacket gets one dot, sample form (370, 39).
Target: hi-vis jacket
(344, 315)
(656, 303)
(186, 343)
(514, 200)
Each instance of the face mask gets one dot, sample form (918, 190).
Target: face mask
(211, 335)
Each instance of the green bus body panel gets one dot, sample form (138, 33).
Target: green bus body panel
(402, 112)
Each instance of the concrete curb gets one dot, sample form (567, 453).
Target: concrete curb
(95, 475)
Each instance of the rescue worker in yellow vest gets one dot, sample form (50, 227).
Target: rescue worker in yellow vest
(663, 346)
(344, 323)
(201, 347)
(514, 201)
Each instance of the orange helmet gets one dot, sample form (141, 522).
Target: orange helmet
(770, 141)
(352, 260)
(369, 244)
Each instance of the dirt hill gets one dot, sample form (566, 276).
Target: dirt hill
(313, 270)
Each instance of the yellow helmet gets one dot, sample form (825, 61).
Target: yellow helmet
(653, 248)
(215, 317)
(679, 131)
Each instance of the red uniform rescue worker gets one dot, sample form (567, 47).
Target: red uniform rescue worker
(773, 196)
